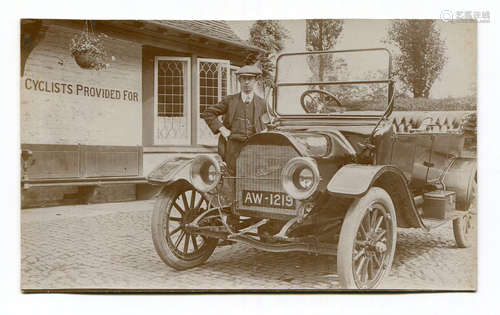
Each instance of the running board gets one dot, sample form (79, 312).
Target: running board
(319, 248)
(220, 233)
(431, 223)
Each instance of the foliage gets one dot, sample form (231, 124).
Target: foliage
(269, 35)
(443, 104)
(322, 35)
(469, 128)
(92, 46)
(422, 54)
(467, 103)
(355, 93)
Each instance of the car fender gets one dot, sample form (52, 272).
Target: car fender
(460, 177)
(173, 170)
(354, 181)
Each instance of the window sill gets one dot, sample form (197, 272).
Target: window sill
(180, 149)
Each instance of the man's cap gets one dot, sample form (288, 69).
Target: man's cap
(250, 70)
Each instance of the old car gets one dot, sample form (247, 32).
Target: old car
(331, 175)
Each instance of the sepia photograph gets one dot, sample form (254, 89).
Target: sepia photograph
(266, 155)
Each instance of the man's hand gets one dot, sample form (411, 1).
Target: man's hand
(225, 132)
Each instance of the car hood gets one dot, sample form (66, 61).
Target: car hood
(310, 143)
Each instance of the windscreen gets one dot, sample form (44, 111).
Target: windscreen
(333, 83)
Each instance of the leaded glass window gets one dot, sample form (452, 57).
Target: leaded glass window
(172, 106)
(213, 83)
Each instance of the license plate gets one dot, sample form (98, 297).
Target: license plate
(267, 199)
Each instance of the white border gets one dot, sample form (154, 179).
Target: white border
(485, 301)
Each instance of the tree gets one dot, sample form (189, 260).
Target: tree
(422, 54)
(269, 35)
(322, 35)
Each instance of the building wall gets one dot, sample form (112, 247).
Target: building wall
(54, 113)
(56, 109)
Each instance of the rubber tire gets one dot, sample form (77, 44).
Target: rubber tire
(163, 203)
(349, 230)
(462, 240)
(458, 230)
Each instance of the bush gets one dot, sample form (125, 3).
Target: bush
(404, 104)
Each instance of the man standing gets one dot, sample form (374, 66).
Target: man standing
(242, 113)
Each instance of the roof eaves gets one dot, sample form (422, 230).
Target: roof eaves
(234, 43)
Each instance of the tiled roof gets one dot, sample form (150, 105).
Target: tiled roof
(217, 30)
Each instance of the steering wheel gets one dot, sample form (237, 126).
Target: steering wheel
(320, 101)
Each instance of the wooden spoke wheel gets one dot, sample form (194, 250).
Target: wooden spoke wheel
(367, 241)
(178, 206)
(465, 227)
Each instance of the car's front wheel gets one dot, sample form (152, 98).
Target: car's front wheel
(179, 205)
(367, 241)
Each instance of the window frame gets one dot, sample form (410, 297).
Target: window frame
(219, 91)
(228, 76)
(187, 99)
(236, 82)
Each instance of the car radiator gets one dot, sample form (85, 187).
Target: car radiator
(258, 185)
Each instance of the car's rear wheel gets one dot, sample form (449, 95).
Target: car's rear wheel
(179, 205)
(464, 227)
(367, 241)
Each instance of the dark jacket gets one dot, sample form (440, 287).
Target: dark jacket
(227, 107)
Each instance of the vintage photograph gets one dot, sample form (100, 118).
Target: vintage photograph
(313, 155)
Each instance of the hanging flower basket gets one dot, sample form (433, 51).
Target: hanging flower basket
(88, 51)
(87, 60)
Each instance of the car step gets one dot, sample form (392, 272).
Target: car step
(432, 223)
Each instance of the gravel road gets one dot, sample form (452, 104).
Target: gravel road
(108, 246)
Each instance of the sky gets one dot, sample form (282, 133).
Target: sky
(459, 74)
